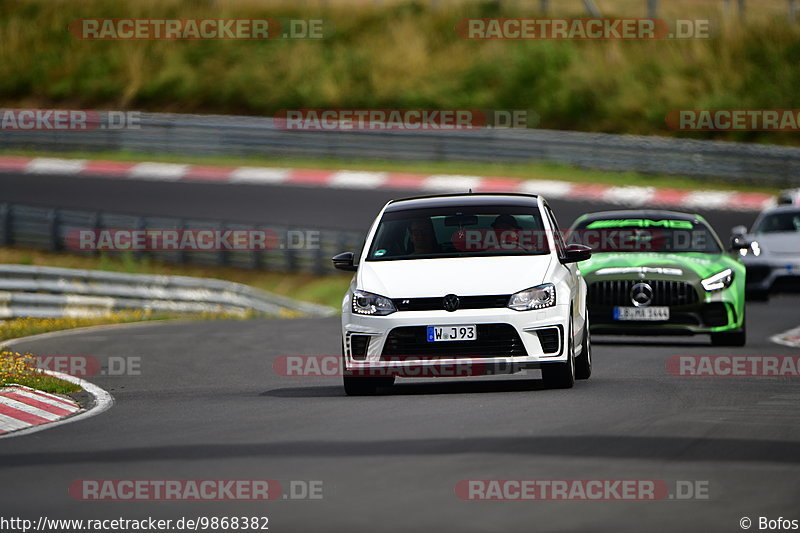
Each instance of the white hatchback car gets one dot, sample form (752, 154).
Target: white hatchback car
(464, 284)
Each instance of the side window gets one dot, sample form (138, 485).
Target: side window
(557, 236)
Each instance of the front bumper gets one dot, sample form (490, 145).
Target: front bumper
(778, 275)
(508, 340)
(692, 310)
(707, 317)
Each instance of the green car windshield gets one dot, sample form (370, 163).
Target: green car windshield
(645, 235)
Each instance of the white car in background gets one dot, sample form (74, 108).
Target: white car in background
(773, 255)
(482, 280)
(789, 197)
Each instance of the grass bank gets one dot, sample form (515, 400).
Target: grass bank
(404, 55)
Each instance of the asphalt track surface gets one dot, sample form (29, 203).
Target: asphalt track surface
(208, 405)
(314, 207)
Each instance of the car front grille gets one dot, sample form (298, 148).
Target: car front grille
(494, 340)
(618, 292)
(464, 302)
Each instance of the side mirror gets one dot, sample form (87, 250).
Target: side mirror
(344, 261)
(575, 253)
(739, 239)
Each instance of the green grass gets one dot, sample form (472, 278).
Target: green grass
(20, 369)
(405, 55)
(548, 171)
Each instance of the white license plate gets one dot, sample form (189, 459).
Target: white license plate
(641, 313)
(452, 333)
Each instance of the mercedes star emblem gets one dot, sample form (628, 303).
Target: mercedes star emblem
(641, 294)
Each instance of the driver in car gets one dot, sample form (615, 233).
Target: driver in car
(506, 228)
(423, 237)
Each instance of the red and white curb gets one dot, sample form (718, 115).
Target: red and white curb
(788, 338)
(22, 407)
(11, 396)
(24, 411)
(431, 183)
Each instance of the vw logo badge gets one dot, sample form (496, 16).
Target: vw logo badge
(641, 294)
(450, 302)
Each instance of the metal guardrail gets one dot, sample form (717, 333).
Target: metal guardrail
(31, 291)
(226, 135)
(49, 228)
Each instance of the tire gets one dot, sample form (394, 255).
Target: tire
(583, 363)
(730, 338)
(561, 375)
(362, 386)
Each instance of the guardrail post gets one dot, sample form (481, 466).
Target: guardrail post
(222, 255)
(258, 255)
(544, 6)
(652, 9)
(592, 8)
(181, 251)
(53, 219)
(6, 220)
(319, 265)
(141, 224)
(289, 255)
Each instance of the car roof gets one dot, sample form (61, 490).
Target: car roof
(640, 213)
(780, 209)
(461, 199)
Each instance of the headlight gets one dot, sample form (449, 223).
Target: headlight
(534, 298)
(718, 281)
(366, 303)
(754, 249)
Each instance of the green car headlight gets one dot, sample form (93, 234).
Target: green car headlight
(719, 281)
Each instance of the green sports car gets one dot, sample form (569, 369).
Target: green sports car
(660, 273)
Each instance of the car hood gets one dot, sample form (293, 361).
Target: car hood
(659, 265)
(779, 243)
(464, 276)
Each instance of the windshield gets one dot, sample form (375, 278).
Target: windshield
(459, 232)
(786, 221)
(645, 235)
